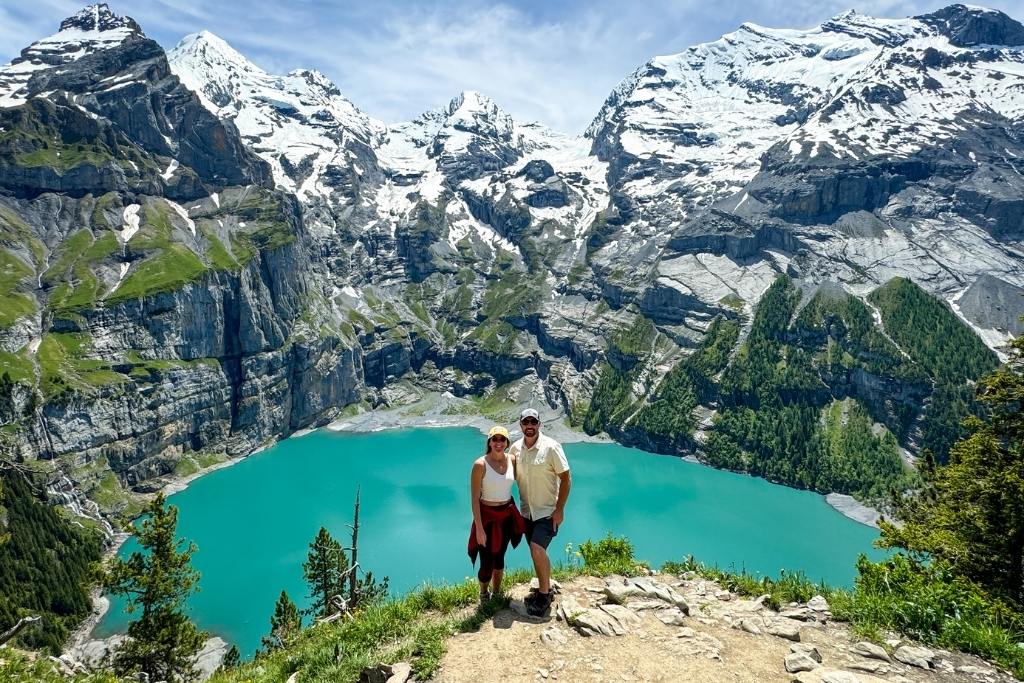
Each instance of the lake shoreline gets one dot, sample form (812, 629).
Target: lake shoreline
(854, 509)
(438, 411)
(100, 602)
(432, 414)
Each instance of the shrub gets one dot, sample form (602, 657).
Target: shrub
(610, 555)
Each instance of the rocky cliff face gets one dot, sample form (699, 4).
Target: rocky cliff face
(199, 256)
(139, 329)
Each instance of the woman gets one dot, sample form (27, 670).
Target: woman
(496, 519)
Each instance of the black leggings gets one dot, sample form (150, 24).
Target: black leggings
(489, 562)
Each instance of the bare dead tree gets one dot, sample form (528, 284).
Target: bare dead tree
(18, 628)
(352, 579)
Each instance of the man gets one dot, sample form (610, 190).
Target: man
(542, 473)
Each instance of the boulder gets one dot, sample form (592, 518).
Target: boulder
(818, 604)
(620, 593)
(651, 589)
(798, 613)
(747, 626)
(785, 628)
(641, 605)
(622, 615)
(594, 622)
(871, 666)
(976, 671)
(920, 657)
(568, 608)
(806, 649)
(871, 651)
(796, 662)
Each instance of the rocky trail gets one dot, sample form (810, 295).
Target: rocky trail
(662, 628)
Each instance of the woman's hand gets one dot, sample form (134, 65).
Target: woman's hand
(481, 536)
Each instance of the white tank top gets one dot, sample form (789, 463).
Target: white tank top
(496, 487)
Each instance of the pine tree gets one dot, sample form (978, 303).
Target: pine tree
(6, 398)
(232, 660)
(970, 513)
(325, 570)
(163, 641)
(284, 624)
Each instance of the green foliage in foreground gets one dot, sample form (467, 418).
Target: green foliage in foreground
(610, 555)
(969, 515)
(924, 602)
(285, 624)
(413, 628)
(23, 667)
(326, 572)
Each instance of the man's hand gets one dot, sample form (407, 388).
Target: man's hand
(556, 518)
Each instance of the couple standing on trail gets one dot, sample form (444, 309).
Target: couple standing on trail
(537, 464)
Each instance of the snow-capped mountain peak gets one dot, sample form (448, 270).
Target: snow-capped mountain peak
(98, 18)
(212, 48)
(471, 102)
(299, 122)
(90, 30)
(475, 136)
(968, 26)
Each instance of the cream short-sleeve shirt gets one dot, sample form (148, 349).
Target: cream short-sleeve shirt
(537, 471)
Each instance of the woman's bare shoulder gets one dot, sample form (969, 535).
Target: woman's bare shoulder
(478, 463)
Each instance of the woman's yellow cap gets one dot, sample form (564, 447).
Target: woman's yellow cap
(497, 430)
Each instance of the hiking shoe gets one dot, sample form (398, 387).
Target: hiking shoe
(484, 596)
(539, 605)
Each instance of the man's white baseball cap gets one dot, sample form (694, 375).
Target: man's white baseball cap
(529, 412)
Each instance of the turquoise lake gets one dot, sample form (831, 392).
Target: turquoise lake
(253, 522)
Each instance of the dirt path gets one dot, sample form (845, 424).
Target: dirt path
(651, 638)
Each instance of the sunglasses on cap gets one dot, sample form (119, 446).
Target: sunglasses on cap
(530, 421)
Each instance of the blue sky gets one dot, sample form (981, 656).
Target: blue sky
(553, 61)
